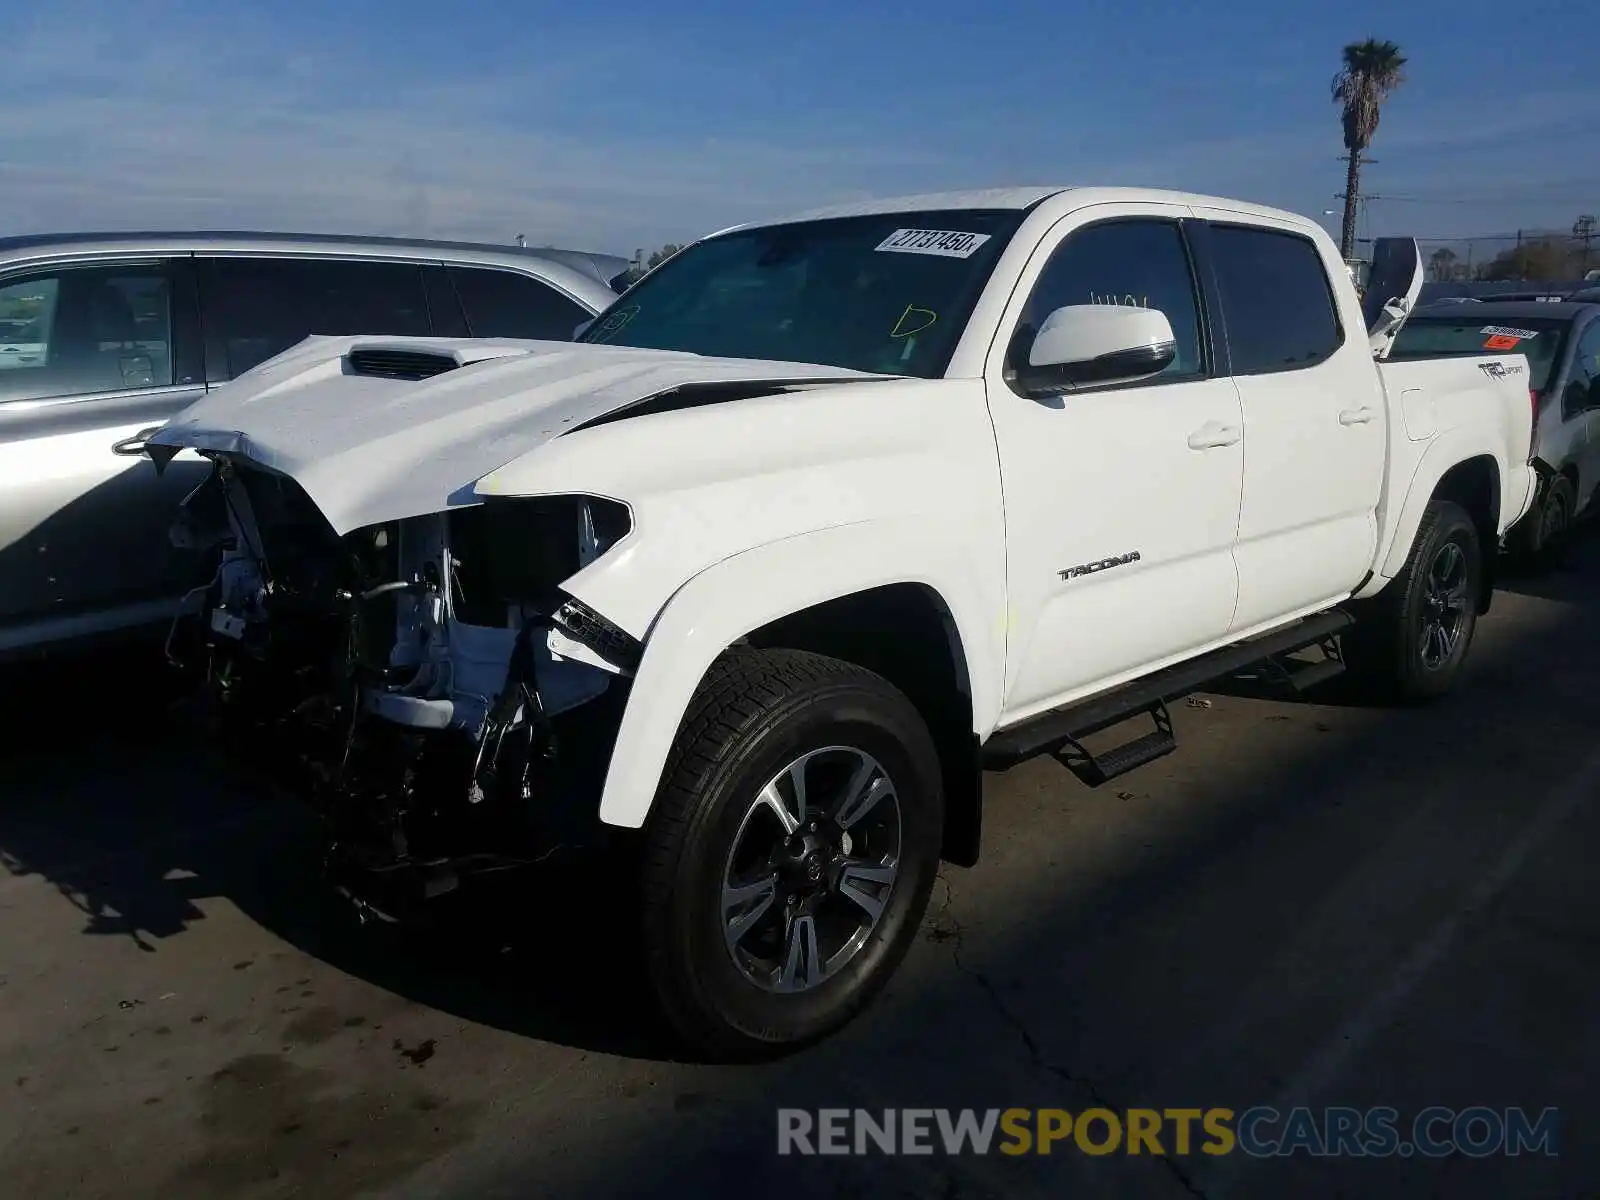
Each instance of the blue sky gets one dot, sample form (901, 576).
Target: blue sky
(626, 124)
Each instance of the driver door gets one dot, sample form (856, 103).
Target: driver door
(1152, 469)
(96, 354)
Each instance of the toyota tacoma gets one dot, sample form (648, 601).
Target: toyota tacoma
(820, 519)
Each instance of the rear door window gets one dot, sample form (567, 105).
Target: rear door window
(260, 307)
(509, 304)
(1277, 303)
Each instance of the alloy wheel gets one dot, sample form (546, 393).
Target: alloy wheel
(811, 869)
(1445, 600)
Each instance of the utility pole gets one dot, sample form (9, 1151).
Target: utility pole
(1363, 215)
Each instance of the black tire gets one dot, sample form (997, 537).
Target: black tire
(1546, 533)
(1385, 650)
(755, 713)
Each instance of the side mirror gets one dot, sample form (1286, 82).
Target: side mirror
(1084, 344)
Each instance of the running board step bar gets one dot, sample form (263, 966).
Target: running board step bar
(1095, 769)
(1062, 728)
(1306, 677)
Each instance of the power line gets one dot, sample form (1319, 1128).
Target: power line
(1527, 235)
(1490, 200)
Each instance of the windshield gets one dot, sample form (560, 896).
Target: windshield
(888, 293)
(1539, 338)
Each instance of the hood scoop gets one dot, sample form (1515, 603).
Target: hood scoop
(398, 364)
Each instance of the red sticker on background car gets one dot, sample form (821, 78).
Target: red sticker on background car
(1501, 341)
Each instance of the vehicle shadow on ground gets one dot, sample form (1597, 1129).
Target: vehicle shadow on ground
(111, 794)
(1139, 983)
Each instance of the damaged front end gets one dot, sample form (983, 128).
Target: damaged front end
(425, 683)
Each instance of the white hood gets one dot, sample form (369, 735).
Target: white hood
(368, 449)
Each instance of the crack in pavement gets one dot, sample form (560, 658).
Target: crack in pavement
(952, 930)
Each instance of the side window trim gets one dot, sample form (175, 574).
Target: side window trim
(1197, 293)
(446, 316)
(182, 350)
(1322, 269)
(188, 345)
(1213, 321)
(215, 343)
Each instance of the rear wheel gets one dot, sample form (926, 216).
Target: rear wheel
(1412, 641)
(1547, 532)
(791, 852)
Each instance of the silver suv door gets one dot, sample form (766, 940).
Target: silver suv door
(92, 355)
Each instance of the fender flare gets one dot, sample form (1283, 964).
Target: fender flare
(1444, 454)
(729, 599)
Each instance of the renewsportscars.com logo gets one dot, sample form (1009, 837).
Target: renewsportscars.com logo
(1261, 1132)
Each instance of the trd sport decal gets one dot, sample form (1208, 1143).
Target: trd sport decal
(1105, 564)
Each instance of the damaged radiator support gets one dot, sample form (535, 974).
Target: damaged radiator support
(435, 814)
(431, 750)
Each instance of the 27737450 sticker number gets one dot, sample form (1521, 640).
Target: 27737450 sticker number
(944, 243)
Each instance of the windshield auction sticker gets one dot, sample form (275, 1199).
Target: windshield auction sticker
(945, 243)
(1502, 331)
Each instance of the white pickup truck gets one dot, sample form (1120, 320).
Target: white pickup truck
(817, 521)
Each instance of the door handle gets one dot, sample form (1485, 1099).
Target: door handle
(1355, 416)
(133, 447)
(1213, 434)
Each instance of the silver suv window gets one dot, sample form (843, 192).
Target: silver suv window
(81, 330)
(260, 307)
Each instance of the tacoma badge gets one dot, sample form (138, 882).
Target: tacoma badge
(1104, 564)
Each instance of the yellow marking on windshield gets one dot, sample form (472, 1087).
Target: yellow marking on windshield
(913, 320)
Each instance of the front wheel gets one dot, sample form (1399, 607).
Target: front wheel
(1412, 641)
(791, 852)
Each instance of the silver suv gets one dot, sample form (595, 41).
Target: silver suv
(103, 337)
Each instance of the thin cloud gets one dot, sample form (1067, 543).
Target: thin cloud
(223, 119)
(92, 133)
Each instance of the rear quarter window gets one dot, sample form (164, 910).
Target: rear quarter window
(507, 304)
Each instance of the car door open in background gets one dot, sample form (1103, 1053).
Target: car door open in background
(91, 357)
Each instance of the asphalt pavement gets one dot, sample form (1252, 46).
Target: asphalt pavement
(1311, 903)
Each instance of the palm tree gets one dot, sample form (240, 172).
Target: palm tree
(1371, 72)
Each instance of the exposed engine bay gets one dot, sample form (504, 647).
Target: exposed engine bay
(424, 683)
